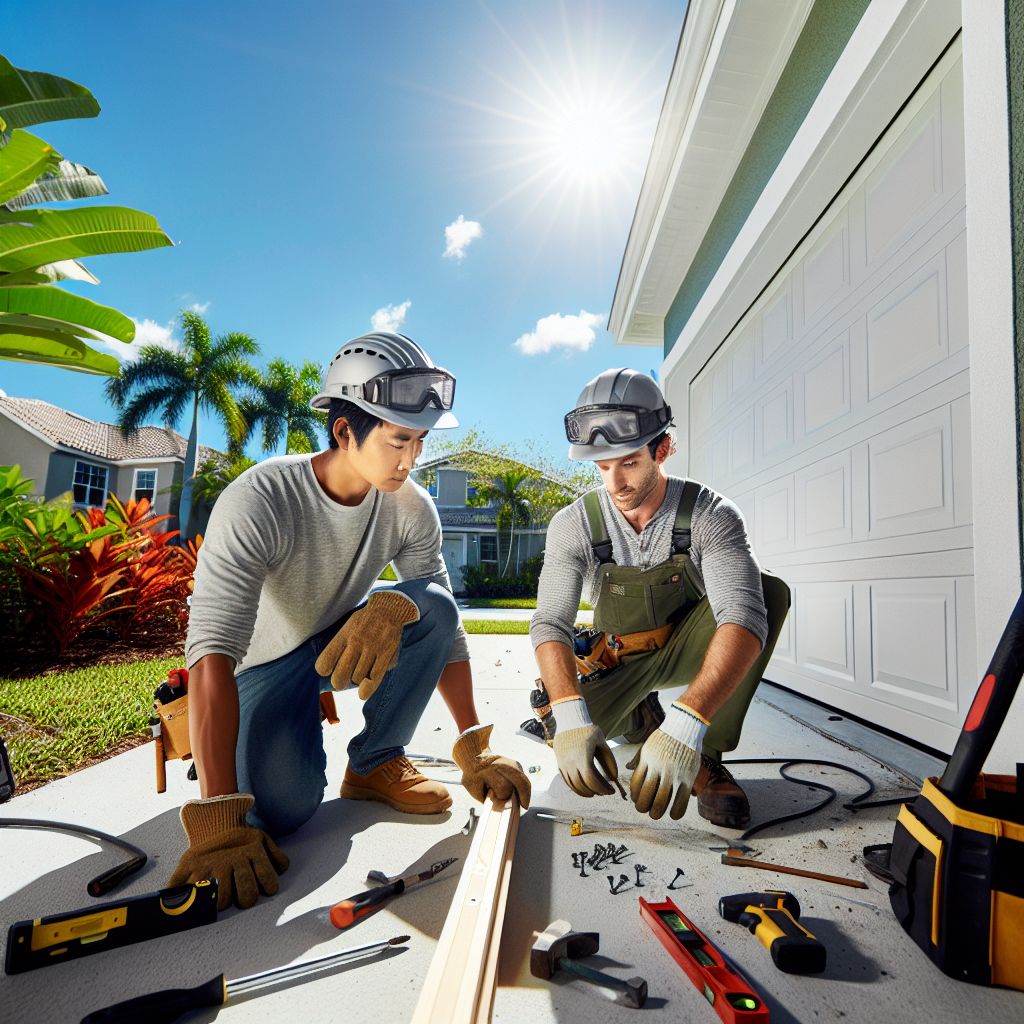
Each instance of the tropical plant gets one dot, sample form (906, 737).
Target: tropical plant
(40, 323)
(213, 476)
(201, 376)
(280, 406)
(509, 492)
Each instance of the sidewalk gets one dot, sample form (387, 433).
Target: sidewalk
(875, 973)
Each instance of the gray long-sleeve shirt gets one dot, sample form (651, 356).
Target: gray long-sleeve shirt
(281, 560)
(719, 549)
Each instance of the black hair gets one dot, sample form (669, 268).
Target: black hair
(652, 445)
(360, 422)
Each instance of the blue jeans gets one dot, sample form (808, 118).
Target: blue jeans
(280, 756)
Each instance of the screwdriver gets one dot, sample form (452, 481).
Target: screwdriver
(172, 1004)
(347, 912)
(772, 917)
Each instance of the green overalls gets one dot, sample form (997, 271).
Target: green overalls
(632, 600)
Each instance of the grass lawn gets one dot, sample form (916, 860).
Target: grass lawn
(56, 723)
(496, 625)
(512, 602)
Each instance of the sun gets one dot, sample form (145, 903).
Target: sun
(586, 140)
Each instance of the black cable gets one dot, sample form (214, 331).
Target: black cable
(856, 804)
(107, 880)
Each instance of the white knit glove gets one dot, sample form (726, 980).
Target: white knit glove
(668, 764)
(577, 743)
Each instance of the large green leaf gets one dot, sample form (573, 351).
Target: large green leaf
(24, 159)
(56, 304)
(68, 181)
(50, 273)
(28, 349)
(31, 97)
(31, 238)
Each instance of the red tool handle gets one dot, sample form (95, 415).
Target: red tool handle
(988, 710)
(347, 912)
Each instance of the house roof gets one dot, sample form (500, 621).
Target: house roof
(105, 440)
(463, 517)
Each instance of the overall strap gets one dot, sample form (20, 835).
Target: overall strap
(599, 541)
(684, 514)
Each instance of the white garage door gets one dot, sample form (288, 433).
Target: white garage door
(837, 415)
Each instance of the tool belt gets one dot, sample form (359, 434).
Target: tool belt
(959, 879)
(609, 649)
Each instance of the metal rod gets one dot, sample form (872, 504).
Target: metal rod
(253, 982)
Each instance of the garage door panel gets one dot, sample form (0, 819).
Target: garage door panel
(839, 408)
(910, 477)
(824, 630)
(906, 330)
(913, 651)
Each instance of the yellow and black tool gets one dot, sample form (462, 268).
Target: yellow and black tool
(61, 937)
(773, 917)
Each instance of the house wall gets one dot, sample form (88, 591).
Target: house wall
(124, 486)
(1015, 83)
(825, 34)
(451, 487)
(61, 472)
(21, 448)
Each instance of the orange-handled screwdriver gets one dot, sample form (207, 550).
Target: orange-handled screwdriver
(347, 912)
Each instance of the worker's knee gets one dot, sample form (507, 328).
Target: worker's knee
(437, 608)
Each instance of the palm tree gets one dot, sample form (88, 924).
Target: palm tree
(509, 491)
(280, 405)
(202, 374)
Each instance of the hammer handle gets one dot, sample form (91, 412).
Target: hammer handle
(635, 989)
(745, 862)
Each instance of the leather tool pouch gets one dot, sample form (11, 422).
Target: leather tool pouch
(959, 880)
(174, 728)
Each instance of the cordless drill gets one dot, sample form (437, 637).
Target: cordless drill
(772, 916)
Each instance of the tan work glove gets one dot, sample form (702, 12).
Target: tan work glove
(577, 743)
(367, 645)
(485, 772)
(243, 859)
(668, 763)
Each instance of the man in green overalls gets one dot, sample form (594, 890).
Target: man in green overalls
(679, 599)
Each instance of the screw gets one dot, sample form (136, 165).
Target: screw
(640, 869)
(616, 853)
(680, 873)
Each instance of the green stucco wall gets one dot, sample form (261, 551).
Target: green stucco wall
(1015, 82)
(825, 33)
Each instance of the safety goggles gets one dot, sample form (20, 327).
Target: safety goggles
(411, 390)
(617, 424)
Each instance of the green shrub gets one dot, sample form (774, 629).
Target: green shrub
(477, 582)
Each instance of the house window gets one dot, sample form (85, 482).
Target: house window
(90, 485)
(488, 552)
(470, 493)
(431, 485)
(145, 484)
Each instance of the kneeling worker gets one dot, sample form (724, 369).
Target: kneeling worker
(280, 613)
(679, 599)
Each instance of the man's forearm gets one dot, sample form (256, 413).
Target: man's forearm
(732, 651)
(456, 687)
(557, 669)
(213, 723)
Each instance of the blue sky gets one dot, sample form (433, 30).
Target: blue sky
(307, 160)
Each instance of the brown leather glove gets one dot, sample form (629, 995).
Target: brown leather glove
(244, 860)
(484, 772)
(367, 645)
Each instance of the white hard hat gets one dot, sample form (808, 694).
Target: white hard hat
(617, 413)
(391, 377)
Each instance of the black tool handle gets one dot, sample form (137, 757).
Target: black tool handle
(162, 1007)
(102, 884)
(347, 912)
(632, 990)
(793, 948)
(988, 709)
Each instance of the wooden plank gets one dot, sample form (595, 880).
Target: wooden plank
(459, 987)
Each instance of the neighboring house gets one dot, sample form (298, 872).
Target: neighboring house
(469, 534)
(822, 249)
(63, 452)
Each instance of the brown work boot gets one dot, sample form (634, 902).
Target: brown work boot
(398, 784)
(646, 717)
(719, 796)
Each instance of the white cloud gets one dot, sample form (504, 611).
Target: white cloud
(459, 235)
(569, 332)
(390, 318)
(147, 332)
(199, 307)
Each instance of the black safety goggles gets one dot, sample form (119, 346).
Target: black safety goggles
(411, 390)
(617, 424)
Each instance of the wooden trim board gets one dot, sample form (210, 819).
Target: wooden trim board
(459, 987)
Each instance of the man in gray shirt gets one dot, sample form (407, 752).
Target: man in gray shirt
(280, 613)
(678, 599)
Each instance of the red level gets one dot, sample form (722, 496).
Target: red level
(724, 988)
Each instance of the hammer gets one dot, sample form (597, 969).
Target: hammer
(557, 949)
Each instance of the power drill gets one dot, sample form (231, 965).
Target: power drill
(772, 917)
